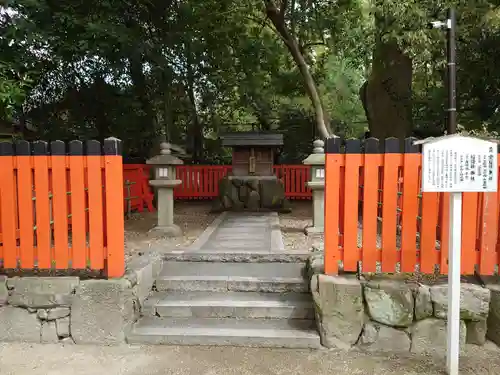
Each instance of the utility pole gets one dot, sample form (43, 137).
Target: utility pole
(451, 46)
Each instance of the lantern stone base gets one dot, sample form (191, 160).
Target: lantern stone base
(167, 230)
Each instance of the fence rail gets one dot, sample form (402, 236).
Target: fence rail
(377, 218)
(58, 209)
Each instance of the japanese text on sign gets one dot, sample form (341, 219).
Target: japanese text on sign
(459, 164)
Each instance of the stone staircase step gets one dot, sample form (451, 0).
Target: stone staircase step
(236, 277)
(280, 333)
(230, 305)
(237, 256)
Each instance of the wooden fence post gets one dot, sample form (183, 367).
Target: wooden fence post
(333, 160)
(114, 208)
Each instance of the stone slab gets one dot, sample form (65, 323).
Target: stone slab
(63, 327)
(430, 335)
(238, 256)
(102, 312)
(18, 324)
(234, 332)
(390, 303)
(4, 293)
(233, 305)
(39, 301)
(44, 285)
(203, 238)
(339, 310)
(474, 301)
(49, 333)
(380, 338)
(266, 270)
(53, 314)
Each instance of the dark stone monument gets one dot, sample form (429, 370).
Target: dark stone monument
(252, 185)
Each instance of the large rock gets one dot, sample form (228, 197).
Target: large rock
(423, 303)
(430, 335)
(380, 338)
(142, 273)
(476, 332)
(390, 303)
(474, 301)
(316, 264)
(493, 332)
(253, 201)
(63, 327)
(339, 309)
(103, 311)
(272, 193)
(4, 293)
(49, 333)
(19, 325)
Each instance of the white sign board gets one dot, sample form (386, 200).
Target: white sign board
(459, 164)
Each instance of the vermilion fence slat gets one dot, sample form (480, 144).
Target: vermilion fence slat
(469, 224)
(370, 202)
(352, 164)
(428, 232)
(444, 231)
(95, 192)
(25, 209)
(42, 206)
(333, 162)
(389, 207)
(488, 235)
(8, 208)
(77, 191)
(115, 240)
(60, 208)
(411, 163)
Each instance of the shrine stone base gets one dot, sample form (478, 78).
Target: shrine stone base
(251, 193)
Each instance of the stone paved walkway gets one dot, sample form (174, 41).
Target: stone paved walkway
(44, 359)
(256, 232)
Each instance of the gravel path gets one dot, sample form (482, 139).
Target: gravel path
(193, 218)
(37, 359)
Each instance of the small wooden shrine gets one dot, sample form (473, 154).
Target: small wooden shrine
(252, 185)
(253, 152)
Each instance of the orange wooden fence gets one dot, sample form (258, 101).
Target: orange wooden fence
(58, 210)
(377, 218)
(202, 182)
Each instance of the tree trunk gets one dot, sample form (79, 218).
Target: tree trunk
(387, 95)
(277, 18)
(141, 92)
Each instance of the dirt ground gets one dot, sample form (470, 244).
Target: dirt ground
(38, 359)
(294, 223)
(193, 217)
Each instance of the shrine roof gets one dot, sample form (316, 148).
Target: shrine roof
(236, 139)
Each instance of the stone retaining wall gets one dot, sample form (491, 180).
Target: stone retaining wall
(393, 316)
(73, 310)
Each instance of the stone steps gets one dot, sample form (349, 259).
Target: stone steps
(280, 333)
(235, 277)
(237, 256)
(230, 305)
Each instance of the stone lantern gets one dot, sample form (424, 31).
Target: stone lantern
(317, 184)
(164, 182)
